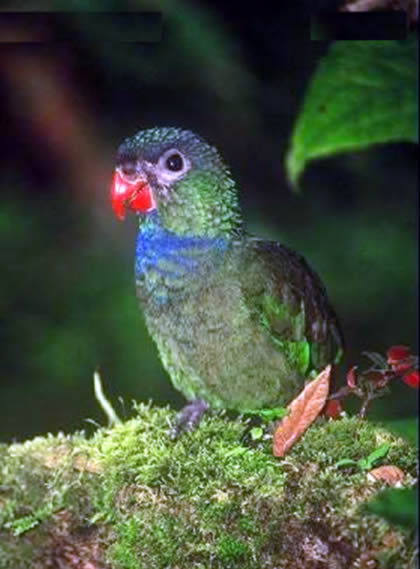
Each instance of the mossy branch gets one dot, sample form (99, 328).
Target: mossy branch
(129, 497)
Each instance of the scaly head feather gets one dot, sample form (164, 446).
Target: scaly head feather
(177, 174)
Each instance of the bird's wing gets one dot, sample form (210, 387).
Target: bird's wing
(290, 301)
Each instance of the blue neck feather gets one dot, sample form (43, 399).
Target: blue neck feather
(165, 259)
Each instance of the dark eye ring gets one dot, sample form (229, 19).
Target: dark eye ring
(174, 162)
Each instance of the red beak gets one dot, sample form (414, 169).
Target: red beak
(126, 194)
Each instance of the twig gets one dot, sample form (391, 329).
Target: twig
(107, 408)
(364, 5)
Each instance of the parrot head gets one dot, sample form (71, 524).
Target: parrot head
(175, 174)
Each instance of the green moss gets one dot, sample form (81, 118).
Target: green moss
(151, 534)
(352, 438)
(136, 499)
(230, 549)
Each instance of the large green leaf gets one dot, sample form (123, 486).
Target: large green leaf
(363, 92)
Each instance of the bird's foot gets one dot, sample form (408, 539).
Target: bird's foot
(189, 417)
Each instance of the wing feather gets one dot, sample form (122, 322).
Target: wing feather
(292, 302)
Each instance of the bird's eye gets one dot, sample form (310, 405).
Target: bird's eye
(174, 162)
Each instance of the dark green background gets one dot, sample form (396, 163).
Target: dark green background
(237, 77)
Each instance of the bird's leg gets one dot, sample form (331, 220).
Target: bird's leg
(189, 417)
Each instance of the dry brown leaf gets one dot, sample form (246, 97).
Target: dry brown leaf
(389, 473)
(56, 457)
(83, 463)
(79, 461)
(303, 411)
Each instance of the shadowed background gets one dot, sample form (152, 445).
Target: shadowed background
(237, 78)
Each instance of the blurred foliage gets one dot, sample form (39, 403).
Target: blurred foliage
(67, 292)
(363, 92)
(399, 505)
(406, 428)
(67, 313)
(396, 505)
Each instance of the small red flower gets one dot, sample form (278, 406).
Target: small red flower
(411, 379)
(333, 409)
(351, 377)
(397, 353)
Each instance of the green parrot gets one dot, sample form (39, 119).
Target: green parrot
(239, 322)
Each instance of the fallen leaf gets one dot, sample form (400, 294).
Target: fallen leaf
(303, 411)
(390, 474)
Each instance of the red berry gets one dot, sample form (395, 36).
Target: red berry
(411, 379)
(333, 409)
(397, 353)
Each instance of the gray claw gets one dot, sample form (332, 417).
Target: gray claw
(189, 417)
